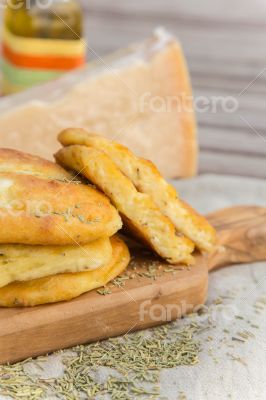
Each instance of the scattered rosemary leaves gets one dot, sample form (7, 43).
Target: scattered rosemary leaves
(104, 291)
(14, 382)
(135, 362)
(120, 280)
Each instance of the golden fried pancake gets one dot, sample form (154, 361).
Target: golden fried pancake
(65, 287)
(23, 163)
(39, 211)
(148, 179)
(140, 214)
(20, 262)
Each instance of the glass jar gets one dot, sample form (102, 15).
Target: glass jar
(41, 40)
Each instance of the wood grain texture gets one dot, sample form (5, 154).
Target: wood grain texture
(91, 317)
(242, 236)
(224, 45)
(142, 303)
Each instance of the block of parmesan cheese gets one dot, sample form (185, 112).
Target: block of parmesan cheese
(140, 96)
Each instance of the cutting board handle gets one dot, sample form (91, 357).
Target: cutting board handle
(241, 234)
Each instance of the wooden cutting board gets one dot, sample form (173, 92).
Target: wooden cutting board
(155, 295)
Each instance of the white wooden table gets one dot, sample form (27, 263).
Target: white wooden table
(224, 42)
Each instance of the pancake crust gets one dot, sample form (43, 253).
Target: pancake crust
(64, 287)
(148, 179)
(39, 211)
(141, 216)
(23, 163)
(20, 262)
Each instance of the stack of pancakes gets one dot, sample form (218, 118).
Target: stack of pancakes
(60, 233)
(60, 222)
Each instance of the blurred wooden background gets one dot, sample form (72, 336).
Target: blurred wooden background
(225, 45)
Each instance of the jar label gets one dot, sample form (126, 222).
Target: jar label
(28, 61)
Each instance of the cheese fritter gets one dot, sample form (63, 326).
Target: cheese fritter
(141, 216)
(24, 262)
(41, 211)
(43, 204)
(63, 287)
(24, 163)
(148, 179)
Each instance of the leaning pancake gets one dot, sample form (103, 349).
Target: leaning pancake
(24, 262)
(41, 211)
(65, 287)
(140, 214)
(148, 179)
(23, 163)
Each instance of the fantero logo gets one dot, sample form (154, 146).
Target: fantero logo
(169, 312)
(189, 104)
